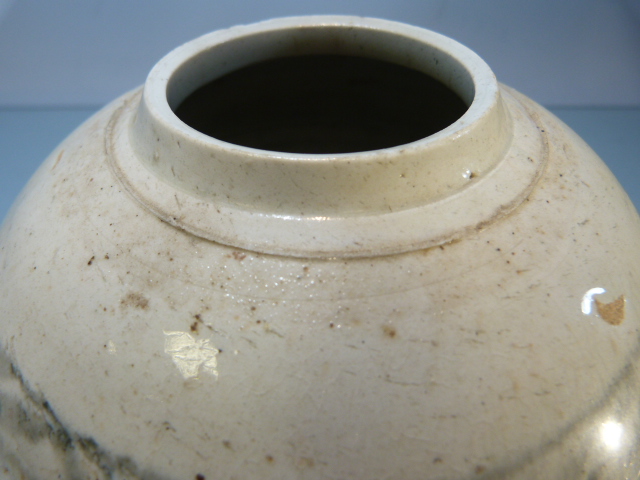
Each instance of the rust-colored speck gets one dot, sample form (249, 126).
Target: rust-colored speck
(269, 458)
(239, 256)
(200, 477)
(168, 426)
(437, 460)
(612, 313)
(135, 300)
(196, 325)
(57, 159)
(227, 444)
(389, 331)
(91, 260)
(480, 469)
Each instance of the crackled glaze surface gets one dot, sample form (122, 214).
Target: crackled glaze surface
(133, 349)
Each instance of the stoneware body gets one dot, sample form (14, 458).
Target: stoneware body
(175, 306)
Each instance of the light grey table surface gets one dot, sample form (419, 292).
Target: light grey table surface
(27, 136)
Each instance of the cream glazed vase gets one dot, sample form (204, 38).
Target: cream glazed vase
(321, 248)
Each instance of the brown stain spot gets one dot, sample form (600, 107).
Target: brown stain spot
(480, 469)
(306, 462)
(269, 458)
(437, 460)
(613, 313)
(195, 326)
(614, 346)
(389, 331)
(57, 160)
(91, 260)
(239, 256)
(227, 444)
(200, 477)
(136, 300)
(515, 385)
(106, 257)
(168, 427)
(444, 245)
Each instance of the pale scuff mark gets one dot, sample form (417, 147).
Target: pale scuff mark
(191, 355)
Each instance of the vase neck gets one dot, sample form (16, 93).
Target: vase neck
(250, 85)
(297, 183)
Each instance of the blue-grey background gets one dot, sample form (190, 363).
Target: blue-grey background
(61, 60)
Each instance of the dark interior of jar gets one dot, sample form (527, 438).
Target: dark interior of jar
(321, 104)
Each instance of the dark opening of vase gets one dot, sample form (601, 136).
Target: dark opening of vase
(321, 104)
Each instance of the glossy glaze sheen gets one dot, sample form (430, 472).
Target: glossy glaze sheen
(132, 349)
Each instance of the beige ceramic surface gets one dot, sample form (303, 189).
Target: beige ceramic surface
(482, 325)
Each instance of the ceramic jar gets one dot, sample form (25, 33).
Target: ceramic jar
(321, 247)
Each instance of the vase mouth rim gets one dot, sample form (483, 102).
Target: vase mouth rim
(416, 195)
(188, 67)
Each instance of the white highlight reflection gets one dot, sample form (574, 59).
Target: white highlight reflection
(611, 433)
(191, 355)
(587, 299)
